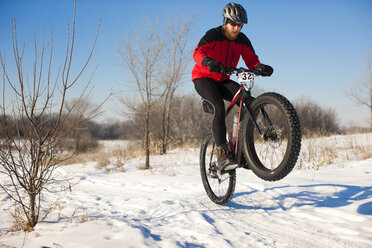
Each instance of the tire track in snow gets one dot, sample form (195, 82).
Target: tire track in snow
(233, 224)
(270, 227)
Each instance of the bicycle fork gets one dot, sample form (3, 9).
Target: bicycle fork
(265, 116)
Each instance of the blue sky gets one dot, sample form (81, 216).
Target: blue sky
(316, 47)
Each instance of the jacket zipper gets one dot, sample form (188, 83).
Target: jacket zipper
(232, 56)
(227, 53)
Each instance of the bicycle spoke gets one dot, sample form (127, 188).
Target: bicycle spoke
(271, 145)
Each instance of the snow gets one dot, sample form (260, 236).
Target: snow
(324, 206)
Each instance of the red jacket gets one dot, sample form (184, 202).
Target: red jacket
(214, 44)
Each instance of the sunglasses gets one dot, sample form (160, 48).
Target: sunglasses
(234, 24)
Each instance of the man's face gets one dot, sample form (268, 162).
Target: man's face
(232, 30)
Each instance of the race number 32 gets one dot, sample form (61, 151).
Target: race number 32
(246, 76)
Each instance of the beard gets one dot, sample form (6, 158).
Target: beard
(231, 35)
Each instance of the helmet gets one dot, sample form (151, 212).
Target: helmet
(234, 12)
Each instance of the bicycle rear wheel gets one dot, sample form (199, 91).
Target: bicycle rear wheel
(219, 188)
(273, 154)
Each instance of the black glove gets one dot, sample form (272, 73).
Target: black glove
(212, 64)
(264, 70)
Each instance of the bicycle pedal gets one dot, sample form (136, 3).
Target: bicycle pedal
(214, 174)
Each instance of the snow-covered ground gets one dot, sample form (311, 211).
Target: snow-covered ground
(326, 206)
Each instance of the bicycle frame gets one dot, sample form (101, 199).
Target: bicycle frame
(235, 143)
(243, 95)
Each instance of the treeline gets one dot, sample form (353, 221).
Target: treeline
(188, 124)
(315, 118)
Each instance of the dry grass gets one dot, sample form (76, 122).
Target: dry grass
(143, 167)
(318, 150)
(106, 158)
(361, 146)
(83, 217)
(19, 222)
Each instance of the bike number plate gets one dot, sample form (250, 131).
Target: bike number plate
(245, 77)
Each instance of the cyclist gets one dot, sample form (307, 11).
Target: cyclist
(222, 47)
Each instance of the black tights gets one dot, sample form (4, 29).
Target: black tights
(215, 92)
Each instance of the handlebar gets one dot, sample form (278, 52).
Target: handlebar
(230, 70)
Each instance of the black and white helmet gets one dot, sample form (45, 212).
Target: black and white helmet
(235, 13)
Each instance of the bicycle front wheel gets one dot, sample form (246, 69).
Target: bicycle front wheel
(219, 188)
(272, 154)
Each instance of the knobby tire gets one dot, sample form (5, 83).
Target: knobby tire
(289, 137)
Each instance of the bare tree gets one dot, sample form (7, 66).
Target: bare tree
(80, 110)
(142, 60)
(28, 159)
(361, 93)
(176, 59)
(189, 122)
